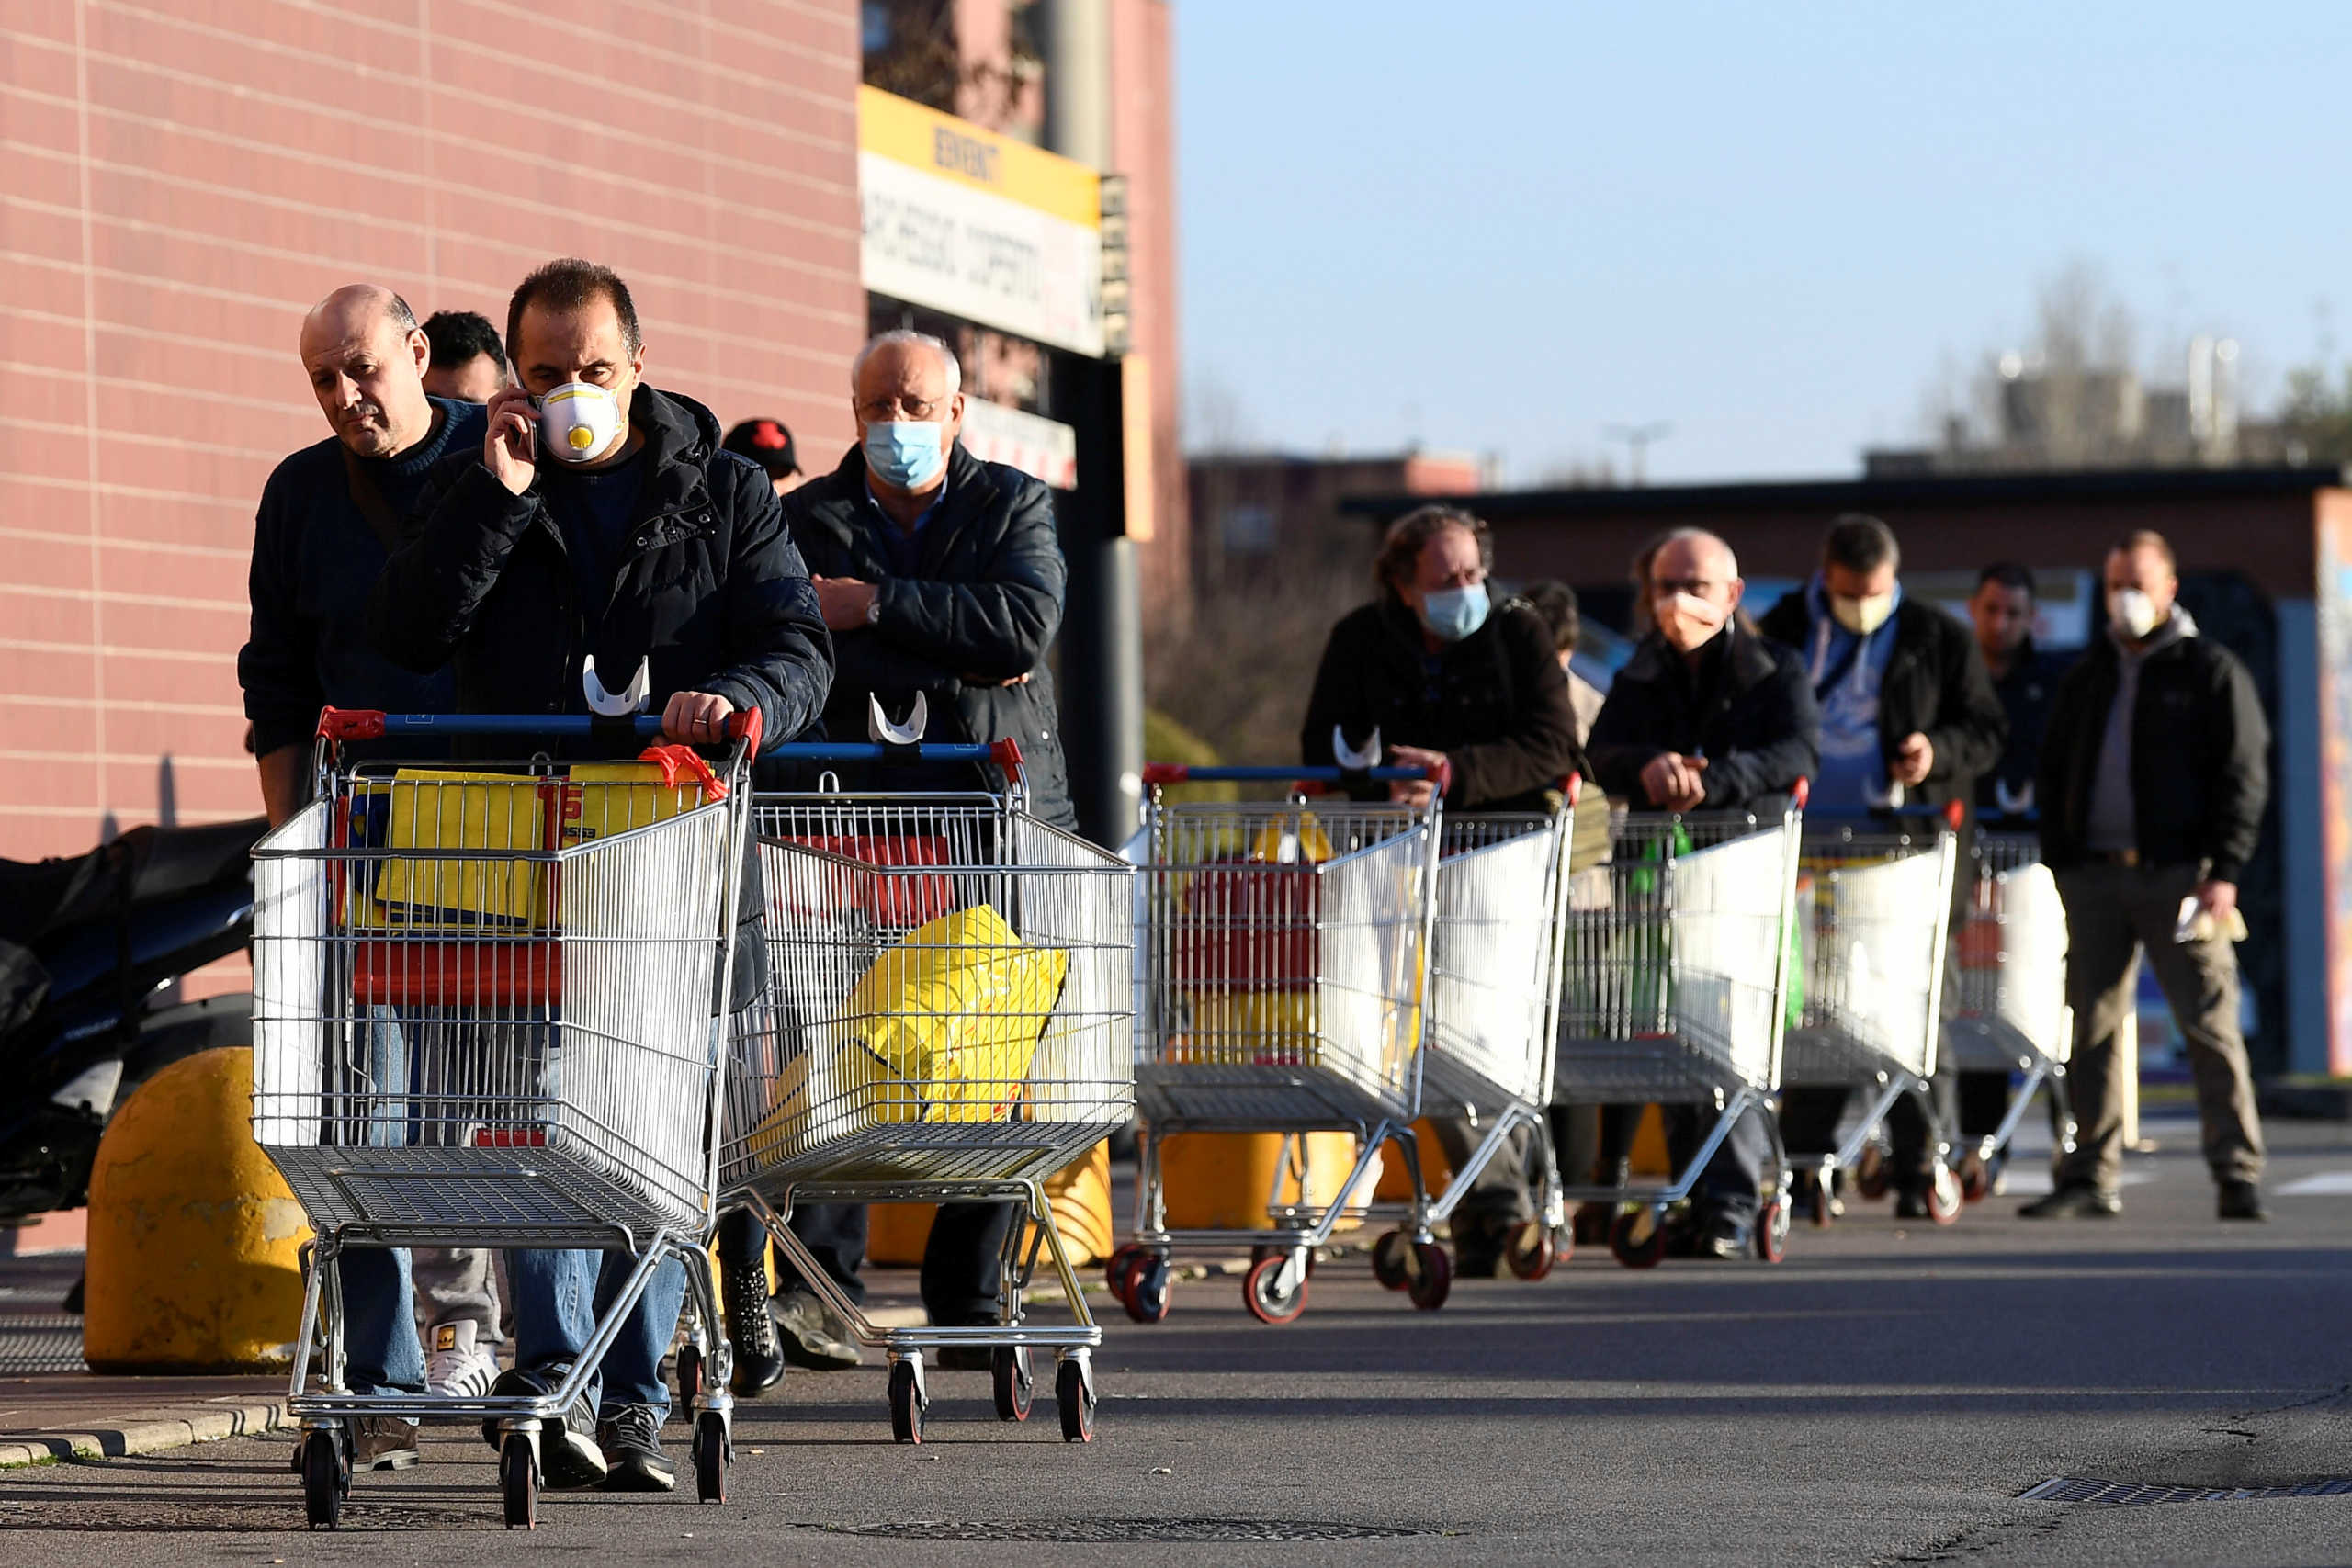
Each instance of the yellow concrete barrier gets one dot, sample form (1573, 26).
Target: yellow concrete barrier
(194, 1237)
(1080, 1193)
(1220, 1181)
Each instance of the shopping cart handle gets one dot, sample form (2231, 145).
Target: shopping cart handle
(1004, 753)
(368, 724)
(1185, 773)
(1801, 792)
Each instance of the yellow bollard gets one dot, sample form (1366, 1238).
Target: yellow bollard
(1080, 1194)
(194, 1238)
(1221, 1180)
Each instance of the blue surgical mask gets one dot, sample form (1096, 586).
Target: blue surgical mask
(905, 453)
(1453, 613)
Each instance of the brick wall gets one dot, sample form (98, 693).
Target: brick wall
(180, 180)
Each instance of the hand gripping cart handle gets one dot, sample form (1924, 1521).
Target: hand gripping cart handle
(489, 1009)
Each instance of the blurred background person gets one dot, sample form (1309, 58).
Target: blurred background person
(468, 363)
(2024, 677)
(768, 442)
(2155, 775)
(1908, 719)
(1450, 681)
(1557, 603)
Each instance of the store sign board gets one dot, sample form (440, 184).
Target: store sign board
(978, 226)
(1041, 447)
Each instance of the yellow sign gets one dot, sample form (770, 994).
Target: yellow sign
(939, 145)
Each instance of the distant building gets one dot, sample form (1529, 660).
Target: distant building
(1251, 510)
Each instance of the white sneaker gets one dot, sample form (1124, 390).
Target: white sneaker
(458, 1368)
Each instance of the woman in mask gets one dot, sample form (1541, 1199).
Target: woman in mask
(1472, 690)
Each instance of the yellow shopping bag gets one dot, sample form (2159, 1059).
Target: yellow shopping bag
(423, 808)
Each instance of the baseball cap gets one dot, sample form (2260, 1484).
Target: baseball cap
(768, 442)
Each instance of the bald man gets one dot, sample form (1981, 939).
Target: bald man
(328, 516)
(1706, 715)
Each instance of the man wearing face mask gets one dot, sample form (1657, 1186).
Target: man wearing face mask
(1457, 683)
(2155, 775)
(941, 575)
(1706, 714)
(1908, 719)
(600, 520)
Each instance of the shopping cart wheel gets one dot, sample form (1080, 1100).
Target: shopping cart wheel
(324, 1481)
(1945, 1199)
(908, 1402)
(1772, 1231)
(1312, 1256)
(710, 1457)
(1637, 1239)
(1116, 1269)
(1976, 1178)
(1391, 1261)
(1149, 1286)
(1265, 1294)
(1432, 1279)
(519, 1481)
(689, 1375)
(1871, 1178)
(1014, 1385)
(1535, 1248)
(1074, 1393)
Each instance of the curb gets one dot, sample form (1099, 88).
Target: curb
(172, 1426)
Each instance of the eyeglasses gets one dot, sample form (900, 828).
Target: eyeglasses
(886, 411)
(1697, 587)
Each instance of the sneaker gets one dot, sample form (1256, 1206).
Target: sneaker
(812, 1336)
(1911, 1205)
(384, 1442)
(568, 1454)
(2074, 1200)
(457, 1367)
(2242, 1201)
(632, 1439)
(759, 1360)
(1723, 1235)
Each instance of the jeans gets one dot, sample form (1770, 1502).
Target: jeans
(560, 1296)
(380, 1346)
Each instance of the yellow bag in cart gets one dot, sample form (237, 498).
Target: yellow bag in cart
(423, 808)
(942, 1028)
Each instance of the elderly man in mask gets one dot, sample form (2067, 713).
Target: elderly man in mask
(1454, 683)
(1707, 715)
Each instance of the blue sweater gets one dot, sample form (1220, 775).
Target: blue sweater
(315, 559)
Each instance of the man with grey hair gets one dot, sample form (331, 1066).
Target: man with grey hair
(1707, 715)
(329, 517)
(941, 576)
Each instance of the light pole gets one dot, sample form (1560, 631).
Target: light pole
(1637, 439)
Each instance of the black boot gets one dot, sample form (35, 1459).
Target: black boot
(759, 1358)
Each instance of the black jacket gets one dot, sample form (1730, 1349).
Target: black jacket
(2201, 773)
(708, 586)
(316, 558)
(1936, 684)
(1748, 709)
(2026, 693)
(981, 608)
(1496, 702)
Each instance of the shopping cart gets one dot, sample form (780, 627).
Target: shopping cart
(1286, 964)
(486, 1013)
(1876, 898)
(2011, 1016)
(949, 1019)
(1494, 1003)
(1676, 971)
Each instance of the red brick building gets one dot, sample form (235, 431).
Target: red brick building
(180, 184)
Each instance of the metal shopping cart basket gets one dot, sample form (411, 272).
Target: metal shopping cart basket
(1494, 1003)
(1876, 901)
(1676, 967)
(486, 1013)
(1287, 968)
(2010, 1016)
(949, 1019)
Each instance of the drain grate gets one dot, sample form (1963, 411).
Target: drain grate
(1098, 1531)
(2133, 1494)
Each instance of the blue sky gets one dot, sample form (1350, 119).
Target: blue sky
(1500, 226)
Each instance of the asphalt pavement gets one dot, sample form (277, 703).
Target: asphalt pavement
(1885, 1397)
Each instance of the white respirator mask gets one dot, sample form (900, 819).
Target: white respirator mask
(579, 422)
(2133, 613)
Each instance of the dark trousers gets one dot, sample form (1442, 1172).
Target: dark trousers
(1499, 1197)
(1733, 1183)
(962, 1264)
(1809, 1114)
(833, 1232)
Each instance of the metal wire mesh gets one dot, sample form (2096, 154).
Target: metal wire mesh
(1287, 952)
(2011, 957)
(1875, 908)
(1493, 961)
(950, 997)
(1674, 959)
(485, 1002)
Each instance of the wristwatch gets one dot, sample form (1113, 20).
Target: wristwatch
(874, 608)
